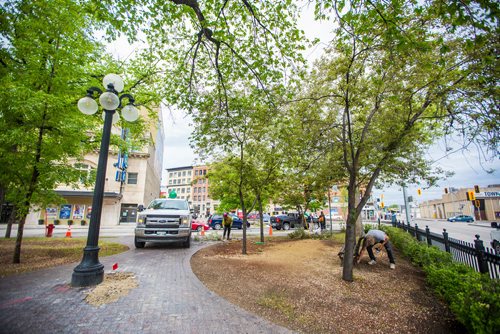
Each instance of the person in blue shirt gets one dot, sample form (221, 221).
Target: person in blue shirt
(376, 237)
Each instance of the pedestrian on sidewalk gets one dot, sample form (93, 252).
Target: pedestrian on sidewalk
(227, 222)
(375, 237)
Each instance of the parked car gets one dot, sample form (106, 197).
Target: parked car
(197, 225)
(461, 218)
(215, 222)
(290, 220)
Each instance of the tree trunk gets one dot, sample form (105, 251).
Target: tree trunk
(243, 209)
(261, 215)
(10, 221)
(359, 221)
(350, 233)
(19, 239)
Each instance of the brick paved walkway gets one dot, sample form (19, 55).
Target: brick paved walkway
(170, 299)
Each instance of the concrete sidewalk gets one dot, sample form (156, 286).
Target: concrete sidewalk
(169, 299)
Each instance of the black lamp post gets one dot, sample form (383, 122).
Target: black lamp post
(90, 271)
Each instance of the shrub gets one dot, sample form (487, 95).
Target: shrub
(70, 222)
(83, 222)
(299, 234)
(473, 297)
(367, 227)
(57, 222)
(41, 221)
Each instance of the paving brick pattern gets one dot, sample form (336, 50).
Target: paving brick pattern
(170, 299)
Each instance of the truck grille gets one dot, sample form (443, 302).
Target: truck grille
(163, 221)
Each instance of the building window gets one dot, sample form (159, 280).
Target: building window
(184, 173)
(183, 181)
(132, 178)
(84, 170)
(204, 172)
(203, 198)
(199, 198)
(196, 173)
(188, 190)
(170, 174)
(183, 190)
(189, 173)
(169, 181)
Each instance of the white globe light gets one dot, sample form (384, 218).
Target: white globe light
(116, 117)
(130, 113)
(109, 101)
(87, 105)
(114, 79)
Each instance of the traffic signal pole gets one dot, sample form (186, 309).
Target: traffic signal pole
(407, 211)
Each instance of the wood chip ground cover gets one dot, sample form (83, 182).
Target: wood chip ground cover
(38, 253)
(113, 287)
(298, 285)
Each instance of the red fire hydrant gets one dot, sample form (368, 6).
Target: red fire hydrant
(48, 230)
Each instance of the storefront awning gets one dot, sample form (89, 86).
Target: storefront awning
(80, 193)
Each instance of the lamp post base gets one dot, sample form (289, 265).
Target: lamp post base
(90, 271)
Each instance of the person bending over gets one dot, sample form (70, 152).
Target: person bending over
(375, 237)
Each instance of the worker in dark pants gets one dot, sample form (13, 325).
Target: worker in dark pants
(227, 221)
(373, 238)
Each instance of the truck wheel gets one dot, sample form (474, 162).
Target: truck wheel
(187, 243)
(286, 226)
(217, 227)
(278, 228)
(139, 244)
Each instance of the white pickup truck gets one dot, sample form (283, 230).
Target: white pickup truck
(164, 220)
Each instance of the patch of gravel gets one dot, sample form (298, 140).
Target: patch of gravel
(114, 286)
(298, 284)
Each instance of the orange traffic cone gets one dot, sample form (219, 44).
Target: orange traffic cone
(68, 232)
(270, 230)
(202, 231)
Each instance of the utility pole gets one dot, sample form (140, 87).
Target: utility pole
(406, 205)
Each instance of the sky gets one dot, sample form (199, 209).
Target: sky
(469, 169)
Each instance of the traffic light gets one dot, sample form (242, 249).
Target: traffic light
(471, 196)
(382, 205)
(477, 203)
(476, 189)
(445, 190)
(419, 192)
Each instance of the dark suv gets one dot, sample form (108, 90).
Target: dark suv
(286, 222)
(215, 222)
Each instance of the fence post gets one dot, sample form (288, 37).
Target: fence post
(481, 259)
(428, 235)
(446, 241)
(416, 232)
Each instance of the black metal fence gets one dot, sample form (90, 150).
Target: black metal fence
(482, 259)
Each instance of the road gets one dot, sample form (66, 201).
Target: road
(458, 230)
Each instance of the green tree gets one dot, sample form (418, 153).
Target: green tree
(40, 77)
(393, 82)
(48, 59)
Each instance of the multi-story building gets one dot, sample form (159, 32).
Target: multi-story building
(485, 207)
(190, 182)
(122, 196)
(179, 179)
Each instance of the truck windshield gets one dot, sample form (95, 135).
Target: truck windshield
(168, 204)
